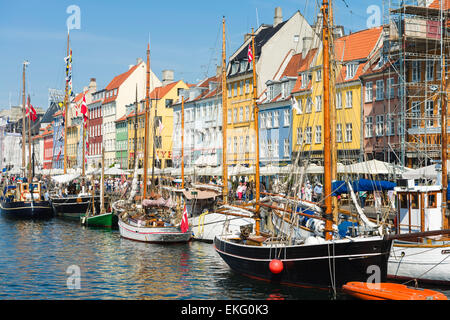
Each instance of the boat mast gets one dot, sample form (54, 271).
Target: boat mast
(83, 172)
(256, 112)
(152, 186)
(25, 63)
(444, 126)
(30, 159)
(224, 118)
(102, 184)
(147, 102)
(182, 142)
(327, 123)
(135, 128)
(66, 98)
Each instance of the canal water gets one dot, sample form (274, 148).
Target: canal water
(61, 260)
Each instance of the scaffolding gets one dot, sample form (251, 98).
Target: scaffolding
(415, 40)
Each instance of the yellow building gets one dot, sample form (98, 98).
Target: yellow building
(160, 128)
(351, 56)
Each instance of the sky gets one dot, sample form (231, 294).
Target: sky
(185, 36)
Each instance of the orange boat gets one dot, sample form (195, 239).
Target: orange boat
(389, 291)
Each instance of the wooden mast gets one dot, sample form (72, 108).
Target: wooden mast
(327, 123)
(23, 117)
(224, 118)
(256, 112)
(147, 103)
(182, 142)
(30, 157)
(83, 170)
(444, 144)
(66, 98)
(135, 128)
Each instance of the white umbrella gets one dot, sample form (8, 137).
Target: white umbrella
(374, 167)
(65, 178)
(428, 172)
(115, 171)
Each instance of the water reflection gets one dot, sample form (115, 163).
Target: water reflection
(35, 256)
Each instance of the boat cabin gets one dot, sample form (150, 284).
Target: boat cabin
(24, 191)
(419, 208)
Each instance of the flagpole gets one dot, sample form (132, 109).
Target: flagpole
(84, 140)
(224, 118)
(182, 142)
(23, 118)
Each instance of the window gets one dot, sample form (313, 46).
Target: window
(339, 100)
(308, 134)
(348, 132)
(241, 114)
(235, 115)
(229, 116)
(349, 99)
(286, 148)
(369, 92)
(263, 121)
(369, 127)
(308, 105)
(286, 118)
(269, 120)
(415, 71)
(304, 79)
(415, 113)
(318, 134)
(247, 113)
(284, 89)
(430, 70)
(390, 92)
(379, 129)
(338, 132)
(235, 89)
(319, 75)
(229, 91)
(351, 70)
(276, 119)
(299, 136)
(247, 86)
(270, 92)
(390, 125)
(318, 103)
(380, 90)
(276, 148)
(429, 112)
(269, 148)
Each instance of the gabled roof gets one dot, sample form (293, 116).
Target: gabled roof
(160, 92)
(304, 64)
(357, 45)
(117, 82)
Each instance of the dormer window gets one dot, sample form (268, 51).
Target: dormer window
(304, 79)
(351, 70)
(234, 67)
(270, 92)
(285, 89)
(243, 67)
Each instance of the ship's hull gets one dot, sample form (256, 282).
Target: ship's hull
(26, 210)
(207, 226)
(74, 207)
(429, 263)
(328, 265)
(106, 220)
(153, 234)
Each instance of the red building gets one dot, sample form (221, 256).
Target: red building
(380, 103)
(95, 131)
(48, 147)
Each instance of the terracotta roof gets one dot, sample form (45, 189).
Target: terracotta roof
(357, 45)
(160, 92)
(292, 67)
(436, 4)
(117, 82)
(304, 64)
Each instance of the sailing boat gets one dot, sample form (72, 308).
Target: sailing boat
(423, 209)
(228, 218)
(317, 262)
(74, 205)
(25, 200)
(154, 220)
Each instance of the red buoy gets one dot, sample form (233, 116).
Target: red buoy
(276, 266)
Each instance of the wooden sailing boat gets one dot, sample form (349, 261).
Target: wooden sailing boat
(74, 205)
(318, 262)
(424, 209)
(25, 200)
(155, 219)
(227, 219)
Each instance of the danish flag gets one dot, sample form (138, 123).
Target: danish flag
(250, 53)
(184, 221)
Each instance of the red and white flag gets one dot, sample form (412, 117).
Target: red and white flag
(250, 53)
(184, 221)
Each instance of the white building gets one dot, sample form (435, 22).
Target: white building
(119, 93)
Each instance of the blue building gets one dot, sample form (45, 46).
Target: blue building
(58, 141)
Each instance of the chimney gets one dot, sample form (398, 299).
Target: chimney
(92, 85)
(247, 36)
(167, 77)
(138, 61)
(307, 41)
(219, 71)
(278, 18)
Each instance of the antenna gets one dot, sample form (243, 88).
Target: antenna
(257, 19)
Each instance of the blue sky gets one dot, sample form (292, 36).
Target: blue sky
(185, 36)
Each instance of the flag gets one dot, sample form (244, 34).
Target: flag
(59, 154)
(184, 221)
(250, 53)
(295, 105)
(33, 115)
(161, 127)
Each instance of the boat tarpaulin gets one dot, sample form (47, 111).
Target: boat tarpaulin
(340, 187)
